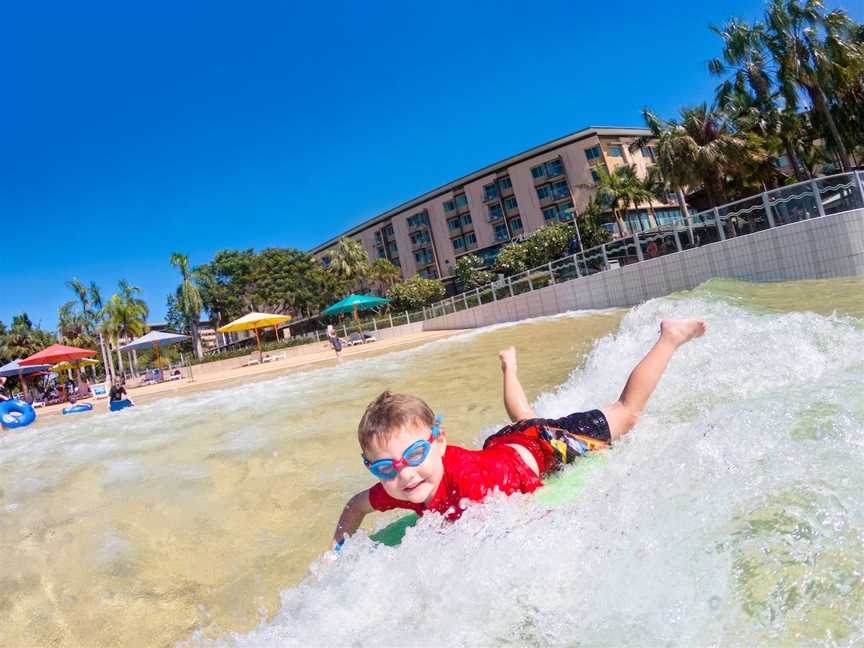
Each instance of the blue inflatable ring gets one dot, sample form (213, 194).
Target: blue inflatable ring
(116, 406)
(80, 407)
(16, 414)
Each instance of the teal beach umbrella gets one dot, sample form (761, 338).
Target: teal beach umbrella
(354, 303)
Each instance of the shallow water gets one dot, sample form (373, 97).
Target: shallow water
(731, 516)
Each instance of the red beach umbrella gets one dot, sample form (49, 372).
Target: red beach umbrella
(57, 353)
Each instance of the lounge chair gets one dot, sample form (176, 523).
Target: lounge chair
(356, 338)
(251, 360)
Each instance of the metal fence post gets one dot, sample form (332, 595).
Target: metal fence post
(510, 285)
(638, 247)
(407, 317)
(374, 325)
(719, 224)
(605, 257)
(317, 339)
(424, 312)
(817, 197)
(345, 330)
(677, 239)
(576, 265)
(551, 274)
(465, 300)
(390, 317)
(767, 206)
(477, 290)
(530, 283)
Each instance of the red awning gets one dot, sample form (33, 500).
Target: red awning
(57, 353)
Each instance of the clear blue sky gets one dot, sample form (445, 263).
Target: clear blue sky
(126, 134)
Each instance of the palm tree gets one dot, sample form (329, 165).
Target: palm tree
(189, 298)
(619, 191)
(91, 311)
(746, 61)
(385, 274)
(350, 261)
(793, 31)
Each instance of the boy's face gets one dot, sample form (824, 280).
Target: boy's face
(415, 484)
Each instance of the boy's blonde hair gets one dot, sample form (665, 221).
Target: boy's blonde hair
(389, 412)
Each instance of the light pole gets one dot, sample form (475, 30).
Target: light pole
(572, 212)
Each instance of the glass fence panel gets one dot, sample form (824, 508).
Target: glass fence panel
(657, 244)
(399, 319)
(521, 283)
(621, 252)
(592, 261)
(473, 299)
(744, 217)
(564, 269)
(541, 278)
(793, 204)
(839, 193)
(486, 295)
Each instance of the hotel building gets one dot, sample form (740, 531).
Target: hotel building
(505, 201)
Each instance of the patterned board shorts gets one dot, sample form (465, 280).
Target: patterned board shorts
(555, 442)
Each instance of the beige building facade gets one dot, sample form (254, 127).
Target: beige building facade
(506, 201)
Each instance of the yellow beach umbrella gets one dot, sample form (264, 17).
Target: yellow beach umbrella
(65, 366)
(255, 321)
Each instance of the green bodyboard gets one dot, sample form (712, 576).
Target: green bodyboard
(559, 489)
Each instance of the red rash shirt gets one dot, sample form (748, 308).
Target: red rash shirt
(469, 476)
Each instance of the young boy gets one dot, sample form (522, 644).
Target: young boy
(404, 445)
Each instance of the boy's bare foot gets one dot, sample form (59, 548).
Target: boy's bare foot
(679, 332)
(508, 358)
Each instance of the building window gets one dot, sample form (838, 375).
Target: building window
(391, 248)
(458, 243)
(396, 262)
(422, 237)
(615, 150)
(325, 261)
(554, 168)
(453, 223)
(550, 213)
(595, 176)
(461, 200)
(538, 171)
(648, 153)
(593, 154)
(544, 192)
(449, 205)
(466, 219)
(501, 233)
(490, 191)
(505, 182)
(495, 212)
(511, 203)
(560, 189)
(563, 214)
(516, 224)
(388, 231)
(416, 221)
(381, 254)
(470, 239)
(423, 256)
(428, 273)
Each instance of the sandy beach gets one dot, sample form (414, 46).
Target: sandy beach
(203, 379)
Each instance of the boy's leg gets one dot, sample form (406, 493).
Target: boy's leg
(515, 401)
(623, 414)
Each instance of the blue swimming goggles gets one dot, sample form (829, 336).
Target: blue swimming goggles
(414, 455)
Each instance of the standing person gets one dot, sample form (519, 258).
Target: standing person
(335, 341)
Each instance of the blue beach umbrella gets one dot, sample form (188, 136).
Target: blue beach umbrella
(354, 303)
(153, 340)
(15, 369)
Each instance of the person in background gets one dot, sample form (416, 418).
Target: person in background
(3, 394)
(118, 392)
(335, 341)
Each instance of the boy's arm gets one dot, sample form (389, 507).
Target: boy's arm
(357, 508)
